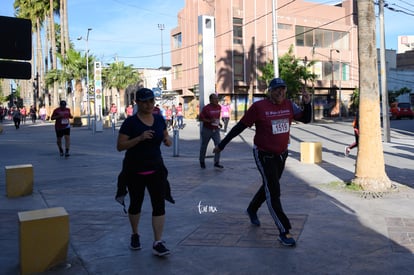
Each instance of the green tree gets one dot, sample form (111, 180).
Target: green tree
(119, 76)
(294, 71)
(74, 68)
(393, 94)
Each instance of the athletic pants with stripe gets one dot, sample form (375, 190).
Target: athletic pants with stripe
(271, 167)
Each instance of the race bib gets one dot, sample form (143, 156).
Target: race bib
(280, 126)
(65, 121)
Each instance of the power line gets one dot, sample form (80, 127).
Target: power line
(387, 6)
(407, 3)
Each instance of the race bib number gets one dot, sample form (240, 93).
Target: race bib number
(65, 121)
(280, 126)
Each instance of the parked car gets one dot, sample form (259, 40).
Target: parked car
(402, 109)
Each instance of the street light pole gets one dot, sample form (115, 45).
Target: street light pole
(88, 107)
(161, 27)
(340, 85)
(332, 71)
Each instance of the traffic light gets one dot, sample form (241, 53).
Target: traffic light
(16, 44)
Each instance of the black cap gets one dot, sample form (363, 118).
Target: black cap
(144, 94)
(276, 83)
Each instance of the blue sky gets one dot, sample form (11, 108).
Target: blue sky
(123, 29)
(128, 29)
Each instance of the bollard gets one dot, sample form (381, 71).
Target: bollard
(176, 137)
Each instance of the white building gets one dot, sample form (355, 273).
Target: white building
(397, 78)
(405, 43)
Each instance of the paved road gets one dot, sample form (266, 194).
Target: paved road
(338, 231)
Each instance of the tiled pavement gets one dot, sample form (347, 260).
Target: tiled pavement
(338, 231)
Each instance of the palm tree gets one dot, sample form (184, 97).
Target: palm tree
(74, 68)
(119, 76)
(35, 10)
(370, 168)
(53, 9)
(65, 44)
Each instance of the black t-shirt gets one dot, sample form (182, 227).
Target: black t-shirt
(146, 155)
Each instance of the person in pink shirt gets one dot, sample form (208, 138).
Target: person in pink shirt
(180, 115)
(61, 116)
(225, 115)
(272, 118)
(129, 110)
(23, 114)
(168, 117)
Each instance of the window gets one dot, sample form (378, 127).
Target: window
(340, 73)
(177, 41)
(237, 30)
(306, 36)
(238, 66)
(300, 35)
(177, 71)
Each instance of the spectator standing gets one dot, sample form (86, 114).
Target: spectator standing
(225, 115)
(143, 168)
(168, 117)
(210, 116)
(42, 113)
(114, 112)
(180, 116)
(61, 115)
(272, 118)
(33, 113)
(129, 110)
(23, 113)
(15, 113)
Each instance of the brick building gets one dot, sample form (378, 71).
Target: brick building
(326, 34)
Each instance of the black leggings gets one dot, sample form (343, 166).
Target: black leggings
(155, 185)
(271, 167)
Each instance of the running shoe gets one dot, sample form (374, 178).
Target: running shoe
(159, 249)
(253, 217)
(286, 240)
(135, 244)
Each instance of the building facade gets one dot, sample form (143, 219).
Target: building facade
(325, 34)
(398, 77)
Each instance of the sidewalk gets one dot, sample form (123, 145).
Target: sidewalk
(337, 231)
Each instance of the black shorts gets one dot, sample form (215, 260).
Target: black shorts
(62, 132)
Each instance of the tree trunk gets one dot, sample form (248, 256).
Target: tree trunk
(122, 99)
(53, 57)
(66, 26)
(78, 98)
(39, 67)
(370, 168)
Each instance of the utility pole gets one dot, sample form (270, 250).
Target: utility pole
(384, 88)
(88, 107)
(274, 39)
(161, 27)
(333, 71)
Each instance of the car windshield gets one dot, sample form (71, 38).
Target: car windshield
(404, 105)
